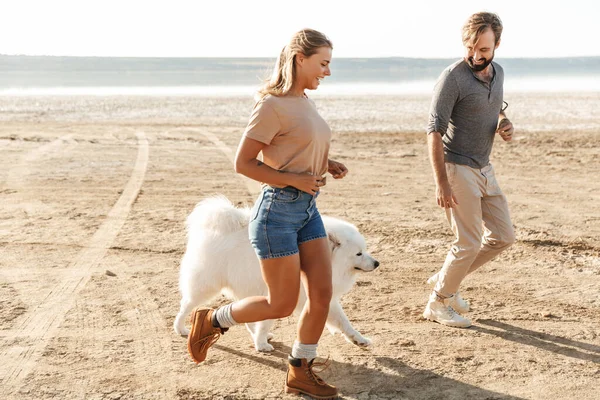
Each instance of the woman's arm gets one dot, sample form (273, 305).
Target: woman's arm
(247, 164)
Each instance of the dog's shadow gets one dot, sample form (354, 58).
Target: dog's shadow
(388, 378)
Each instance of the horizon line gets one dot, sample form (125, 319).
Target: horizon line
(270, 58)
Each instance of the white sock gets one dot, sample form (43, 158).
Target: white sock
(308, 351)
(224, 317)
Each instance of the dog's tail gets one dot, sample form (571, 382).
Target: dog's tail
(217, 215)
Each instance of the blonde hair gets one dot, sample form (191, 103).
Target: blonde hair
(479, 23)
(306, 42)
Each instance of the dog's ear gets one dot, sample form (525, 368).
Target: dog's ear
(334, 243)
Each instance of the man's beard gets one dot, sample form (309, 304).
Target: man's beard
(479, 67)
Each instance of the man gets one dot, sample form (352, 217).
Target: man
(465, 115)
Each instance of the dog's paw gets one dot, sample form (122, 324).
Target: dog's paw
(264, 347)
(360, 341)
(183, 331)
(270, 336)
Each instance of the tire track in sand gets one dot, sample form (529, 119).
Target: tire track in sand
(252, 186)
(21, 348)
(150, 334)
(18, 172)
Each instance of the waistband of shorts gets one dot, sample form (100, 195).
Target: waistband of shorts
(289, 189)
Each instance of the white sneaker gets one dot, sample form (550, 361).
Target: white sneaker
(456, 301)
(443, 313)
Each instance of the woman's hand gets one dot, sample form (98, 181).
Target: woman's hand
(336, 169)
(310, 184)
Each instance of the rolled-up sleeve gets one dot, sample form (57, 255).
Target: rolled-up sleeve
(445, 95)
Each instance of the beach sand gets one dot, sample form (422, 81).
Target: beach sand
(94, 195)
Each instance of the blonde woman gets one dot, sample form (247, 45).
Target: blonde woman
(286, 229)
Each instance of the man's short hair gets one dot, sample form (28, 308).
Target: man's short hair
(479, 23)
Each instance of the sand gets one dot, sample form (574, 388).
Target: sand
(95, 191)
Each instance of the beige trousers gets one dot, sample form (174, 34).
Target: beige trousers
(480, 222)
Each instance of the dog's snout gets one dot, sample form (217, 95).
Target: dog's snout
(376, 264)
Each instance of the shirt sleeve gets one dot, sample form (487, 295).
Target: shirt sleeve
(264, 123)
(445, 95)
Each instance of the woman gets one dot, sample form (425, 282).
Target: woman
(286, 229)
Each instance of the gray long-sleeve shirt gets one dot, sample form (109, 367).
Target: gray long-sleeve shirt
(465, 110)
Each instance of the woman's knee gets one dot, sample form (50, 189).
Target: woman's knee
(283, 307)
(320, 297)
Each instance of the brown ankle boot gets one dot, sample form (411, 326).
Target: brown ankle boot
(301, 379)
(202, 334)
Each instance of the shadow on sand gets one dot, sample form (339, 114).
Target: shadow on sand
(390, 378)
(544, 341)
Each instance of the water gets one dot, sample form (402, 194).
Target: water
(105, 76)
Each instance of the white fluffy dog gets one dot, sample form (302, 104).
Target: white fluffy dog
(220, 259)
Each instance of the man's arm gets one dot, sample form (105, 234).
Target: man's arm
(445, 96)
(444, 196)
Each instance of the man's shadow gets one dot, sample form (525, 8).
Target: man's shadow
(388, 378)
(544, 341)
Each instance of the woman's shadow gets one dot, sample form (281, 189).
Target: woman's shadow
(388, 378)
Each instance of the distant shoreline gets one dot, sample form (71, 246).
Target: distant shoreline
(394, 75)
(273, 58)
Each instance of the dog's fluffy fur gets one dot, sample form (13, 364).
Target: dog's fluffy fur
(220, 259)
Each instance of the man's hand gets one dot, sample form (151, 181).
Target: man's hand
(336, 169)
(505, 129)
(445, 197)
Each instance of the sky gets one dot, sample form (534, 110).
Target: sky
(232, 28)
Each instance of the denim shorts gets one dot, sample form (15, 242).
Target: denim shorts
(282, 219)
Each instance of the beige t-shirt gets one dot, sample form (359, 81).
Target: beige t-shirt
(298, 138)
